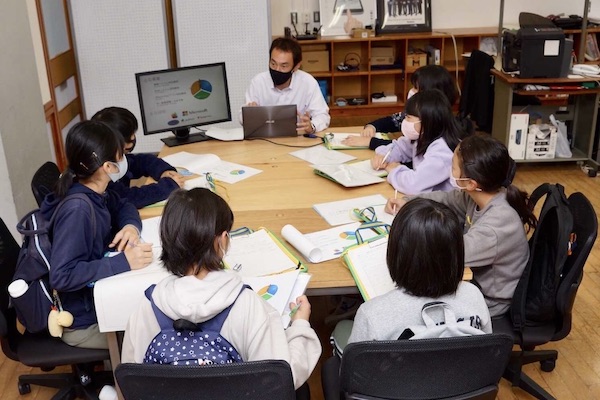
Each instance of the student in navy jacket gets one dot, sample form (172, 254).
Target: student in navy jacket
(167, 179)
(95, 157)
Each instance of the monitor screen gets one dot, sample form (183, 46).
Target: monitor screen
(180, 98)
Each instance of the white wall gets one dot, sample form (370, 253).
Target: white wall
(23, 134)
(40, 62)
(449, 13)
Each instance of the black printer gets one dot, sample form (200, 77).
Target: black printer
(537, 52)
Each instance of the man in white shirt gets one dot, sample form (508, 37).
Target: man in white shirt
(285, 83)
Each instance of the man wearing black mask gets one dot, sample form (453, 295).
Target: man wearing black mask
(285, 83)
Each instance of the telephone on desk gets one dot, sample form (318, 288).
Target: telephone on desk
(586, 69)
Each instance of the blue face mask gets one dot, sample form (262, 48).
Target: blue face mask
(122, 169)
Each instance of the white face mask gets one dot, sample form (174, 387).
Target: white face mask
(411, 93)
(223, 250)
(121, 166)
(454, 182)
(408, 129)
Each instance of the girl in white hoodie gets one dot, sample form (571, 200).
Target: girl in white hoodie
(194, 232)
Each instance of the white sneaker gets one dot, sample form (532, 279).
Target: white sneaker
(108, 392)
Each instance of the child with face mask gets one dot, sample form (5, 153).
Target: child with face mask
(430, 135)
(139, 165)
(493, 213)
(194, 235)
(95, 158)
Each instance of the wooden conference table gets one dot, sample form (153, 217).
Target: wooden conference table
(284, 193)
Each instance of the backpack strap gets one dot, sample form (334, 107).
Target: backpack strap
(214, 324)
(163, 321)
(80, 196)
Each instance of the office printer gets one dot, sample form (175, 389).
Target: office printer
(537, 52)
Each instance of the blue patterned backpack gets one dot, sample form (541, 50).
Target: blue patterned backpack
(182, 342)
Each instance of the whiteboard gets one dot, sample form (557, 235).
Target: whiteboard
(114, 39)
(237, 32)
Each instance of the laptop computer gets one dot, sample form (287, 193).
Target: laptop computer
(269, 121)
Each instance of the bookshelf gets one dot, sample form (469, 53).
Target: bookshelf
(369, 78)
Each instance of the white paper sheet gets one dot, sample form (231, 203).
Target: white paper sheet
(335, 140)
(340, 212)
(321, 155)
(369, 268)
(151, 231)
(307, 248)
(297, 291)
(257, 254)
(118, 296)
(225, 135)
(347, 175)
(274, 289)
(200, 164)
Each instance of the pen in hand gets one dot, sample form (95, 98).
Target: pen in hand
(295, 309)
(384, 159)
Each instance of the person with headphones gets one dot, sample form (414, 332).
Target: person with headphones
(285, 83)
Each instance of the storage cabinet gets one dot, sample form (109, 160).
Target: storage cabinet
(364, 72)
(564, 98)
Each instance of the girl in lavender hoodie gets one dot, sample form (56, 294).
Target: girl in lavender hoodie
(419, 161)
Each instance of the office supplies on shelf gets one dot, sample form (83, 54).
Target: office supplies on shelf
(334, 141)
(221, 170)
(341, 212)
(347, 175)
(320, 155)
(260, 253)
(368, 266)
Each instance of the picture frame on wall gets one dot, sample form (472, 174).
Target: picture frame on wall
(400, 16)
(339, 17)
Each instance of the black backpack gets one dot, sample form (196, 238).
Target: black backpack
(550, 245)
(33, 266)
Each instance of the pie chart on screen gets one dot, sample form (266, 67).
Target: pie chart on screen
(201, 89)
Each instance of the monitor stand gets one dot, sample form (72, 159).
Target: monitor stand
(183, 136)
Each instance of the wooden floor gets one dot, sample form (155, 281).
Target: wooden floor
(577, 373)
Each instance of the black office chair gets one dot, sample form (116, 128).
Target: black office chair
(256, 380)
(43, 181)
(585, 226)
(466, 367)
(42, 350)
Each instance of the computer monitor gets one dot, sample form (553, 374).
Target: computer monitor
(180, 98)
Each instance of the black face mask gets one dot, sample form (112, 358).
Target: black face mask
(279, 78)
(132, 143)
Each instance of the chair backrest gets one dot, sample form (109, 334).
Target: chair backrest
(9, 252)
(466, 367)
(43, 181)
(270, 379)
(585, 227)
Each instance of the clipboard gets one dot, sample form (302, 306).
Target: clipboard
(333, 141)
(368, 266)
(259, 255)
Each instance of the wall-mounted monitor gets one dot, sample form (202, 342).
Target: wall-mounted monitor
(181, 98)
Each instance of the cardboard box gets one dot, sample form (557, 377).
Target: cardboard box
(517, 136)
(359, 33)
(315, 61)
(541, 146)
(415, 61)
(382, 55)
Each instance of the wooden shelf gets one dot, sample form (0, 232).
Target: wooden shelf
(365, 81)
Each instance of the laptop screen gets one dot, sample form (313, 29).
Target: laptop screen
(269, 121)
